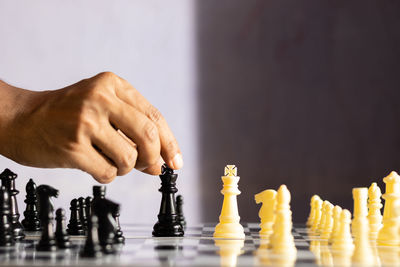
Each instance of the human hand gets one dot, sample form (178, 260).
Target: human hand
(101, 125)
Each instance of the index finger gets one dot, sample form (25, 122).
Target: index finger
(170, 150)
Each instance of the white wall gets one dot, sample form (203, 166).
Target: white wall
(50, 44)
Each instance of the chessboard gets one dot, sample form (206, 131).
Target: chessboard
(196, 248)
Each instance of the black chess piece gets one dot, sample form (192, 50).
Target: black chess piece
(92, 248)
(8, 180)
(104, 209)
(31, 221)
(62, 237)
(75, 225)
(82, 212)
(99, 191)
(179, 211)
(47, 241)
(6, 236)
(119, 237)
(88, 202)
(168, 224)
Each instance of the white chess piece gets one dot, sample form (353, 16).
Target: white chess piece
(267, 210)
(229, 221)
(374, 210)
(360, 197)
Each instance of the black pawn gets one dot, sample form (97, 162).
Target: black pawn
(75, 225)
(82, 212)
(31, 221)
(168, 224)
(47, 240)
(92, 248)
(99, 192)
(6, 237)
(119, 238)
(8, 180)
(179, 211)
(62, 237)
(88, 201)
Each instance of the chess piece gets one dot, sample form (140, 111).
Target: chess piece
(282, 240)
(6, 236)
(179, 211)
(168, 224)
(229, 221)
(322, 222)
(328, 226)
(99, 191)
(31, 221)
(119, 238)
(267, 210)
(343, 240)
(88, 202)
(82, 212)
(318, 213)
(62, 237)
(336, 222)
(374, 210)
(388, 235)
(311, 216)
(363, 254)
(360, 213)
(47, 241)
(8, 180)
(92, 249)
(104, 209)
(75, 225)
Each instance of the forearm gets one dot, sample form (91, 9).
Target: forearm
(13, 103)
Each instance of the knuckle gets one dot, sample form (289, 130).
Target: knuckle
(150, 132)
(128, 161)
(86, 122)
(154, 114)
(107, 176)
(107, 75)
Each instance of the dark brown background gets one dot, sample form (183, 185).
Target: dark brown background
(297, 92)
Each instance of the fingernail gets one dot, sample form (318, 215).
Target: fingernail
(177, 162)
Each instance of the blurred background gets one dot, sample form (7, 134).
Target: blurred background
(297, 92)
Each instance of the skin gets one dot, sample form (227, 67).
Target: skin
(101, 125)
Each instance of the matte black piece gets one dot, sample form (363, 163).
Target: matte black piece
(92, 248)
(119, 237)
(6, 236)
(31, 221)
(82, 212)
(179, 211)
(104, 209)
(75, 226)
(168, 224)
(8, 180)
(47, 240)
(62, 237)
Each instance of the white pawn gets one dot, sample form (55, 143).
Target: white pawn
(360, 213)
(311, 217)
(388, 235)
(322, 222)
(336, 222)
(318, 213)
(343, 240)
(282, 240)
(328, 226)
(374, 210)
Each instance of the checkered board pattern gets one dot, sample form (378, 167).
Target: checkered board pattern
(196, 248)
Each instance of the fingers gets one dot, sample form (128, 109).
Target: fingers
(94, 163)
(137, 127)
(170, 151)
(116, 147)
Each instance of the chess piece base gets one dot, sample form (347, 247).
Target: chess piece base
(161, 229)
(229, 230)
